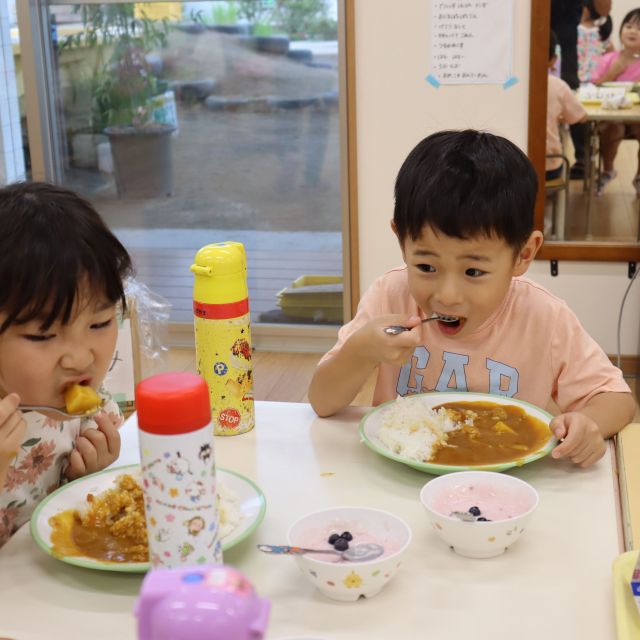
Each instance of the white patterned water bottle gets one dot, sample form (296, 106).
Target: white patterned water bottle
(178, 470)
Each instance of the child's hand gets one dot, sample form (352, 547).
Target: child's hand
(620, 64)
(95, 448)
(13, 427)
(583, 441)
(390, 349)
(338, 380)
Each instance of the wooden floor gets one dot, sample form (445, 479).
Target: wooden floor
(615, 215)
(165, 270)
(281, 377)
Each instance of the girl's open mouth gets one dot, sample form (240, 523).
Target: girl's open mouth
(84, 382)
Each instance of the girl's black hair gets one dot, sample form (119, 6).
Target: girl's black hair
(53, 242)
(632, 16)
(605, 29)
(466, 184)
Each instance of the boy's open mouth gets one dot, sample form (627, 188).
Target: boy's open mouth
(450, 325)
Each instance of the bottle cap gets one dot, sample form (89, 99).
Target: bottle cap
(172, 403)
(220, 271)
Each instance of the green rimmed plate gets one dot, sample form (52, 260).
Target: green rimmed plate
(250, 501)
(372, 421)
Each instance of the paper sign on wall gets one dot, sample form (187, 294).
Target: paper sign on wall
(471, 42)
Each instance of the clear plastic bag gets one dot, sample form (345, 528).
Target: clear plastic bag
(149, 313)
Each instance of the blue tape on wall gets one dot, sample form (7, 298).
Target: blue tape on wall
(507, 84)
(433, 81)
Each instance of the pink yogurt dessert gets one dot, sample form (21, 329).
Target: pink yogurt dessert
(319, 539)
(493, 502)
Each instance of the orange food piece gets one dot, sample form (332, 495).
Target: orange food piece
(80, 399)
(112, 528)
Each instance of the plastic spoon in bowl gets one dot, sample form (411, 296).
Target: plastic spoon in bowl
(357, 553)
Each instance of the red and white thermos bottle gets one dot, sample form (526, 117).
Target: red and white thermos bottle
(178, 470)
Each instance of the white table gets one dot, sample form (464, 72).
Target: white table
(555, 582)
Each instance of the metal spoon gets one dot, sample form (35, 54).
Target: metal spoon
(395, 329)
(65, 414)
(357, 553)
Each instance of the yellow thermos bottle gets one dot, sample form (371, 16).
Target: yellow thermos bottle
(223, 334)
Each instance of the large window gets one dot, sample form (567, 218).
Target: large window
(188, 123)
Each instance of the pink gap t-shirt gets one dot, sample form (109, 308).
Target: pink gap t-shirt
(532, 348)
(630, 74)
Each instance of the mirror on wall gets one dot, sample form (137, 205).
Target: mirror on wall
(578, 223)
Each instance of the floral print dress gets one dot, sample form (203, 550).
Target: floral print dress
(39, 467)
(590, 48)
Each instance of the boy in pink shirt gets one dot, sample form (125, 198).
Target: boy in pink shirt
(464, 219)
(562, 106)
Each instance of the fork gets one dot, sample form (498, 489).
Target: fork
(395, 329)
(66, 414)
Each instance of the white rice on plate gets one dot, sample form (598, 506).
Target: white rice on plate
(228, 512)
(412, 429)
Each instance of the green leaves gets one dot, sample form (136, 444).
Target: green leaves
(122, 81)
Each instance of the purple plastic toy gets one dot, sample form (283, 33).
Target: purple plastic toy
(206, 602)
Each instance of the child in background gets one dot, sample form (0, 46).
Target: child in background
(562, 107)
(464, 204)
(594, 32)
(620, 66)
(62, 274)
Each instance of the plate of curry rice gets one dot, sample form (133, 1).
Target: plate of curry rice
(98, 522)
(455, 431)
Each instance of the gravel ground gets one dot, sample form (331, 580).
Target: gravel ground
(273, 169)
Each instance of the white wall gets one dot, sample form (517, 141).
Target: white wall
(594, 290)
(396, 108)
(619, 9)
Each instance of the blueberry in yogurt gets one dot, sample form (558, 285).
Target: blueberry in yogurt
(341, 544)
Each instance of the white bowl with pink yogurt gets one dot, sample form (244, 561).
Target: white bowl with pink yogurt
(479, 513)
(341, 579)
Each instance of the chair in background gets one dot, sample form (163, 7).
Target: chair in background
(557, 195)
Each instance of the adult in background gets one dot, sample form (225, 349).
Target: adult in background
(565, 18)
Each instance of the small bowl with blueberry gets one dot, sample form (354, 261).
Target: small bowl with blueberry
(479, 513)
(341, 529)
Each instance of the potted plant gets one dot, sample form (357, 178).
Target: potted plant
(128, 96)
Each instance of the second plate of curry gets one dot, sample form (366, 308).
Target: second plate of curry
(497, 432)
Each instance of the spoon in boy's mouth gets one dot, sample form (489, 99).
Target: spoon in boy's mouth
(396, 329)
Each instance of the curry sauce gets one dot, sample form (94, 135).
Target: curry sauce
(490, 433)
(111, 529)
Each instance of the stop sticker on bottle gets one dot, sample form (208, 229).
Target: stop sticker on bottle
(229, 418)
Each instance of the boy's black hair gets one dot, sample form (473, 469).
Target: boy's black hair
(466, 184)
(632, 16)
(553, 45)
(52, 242)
